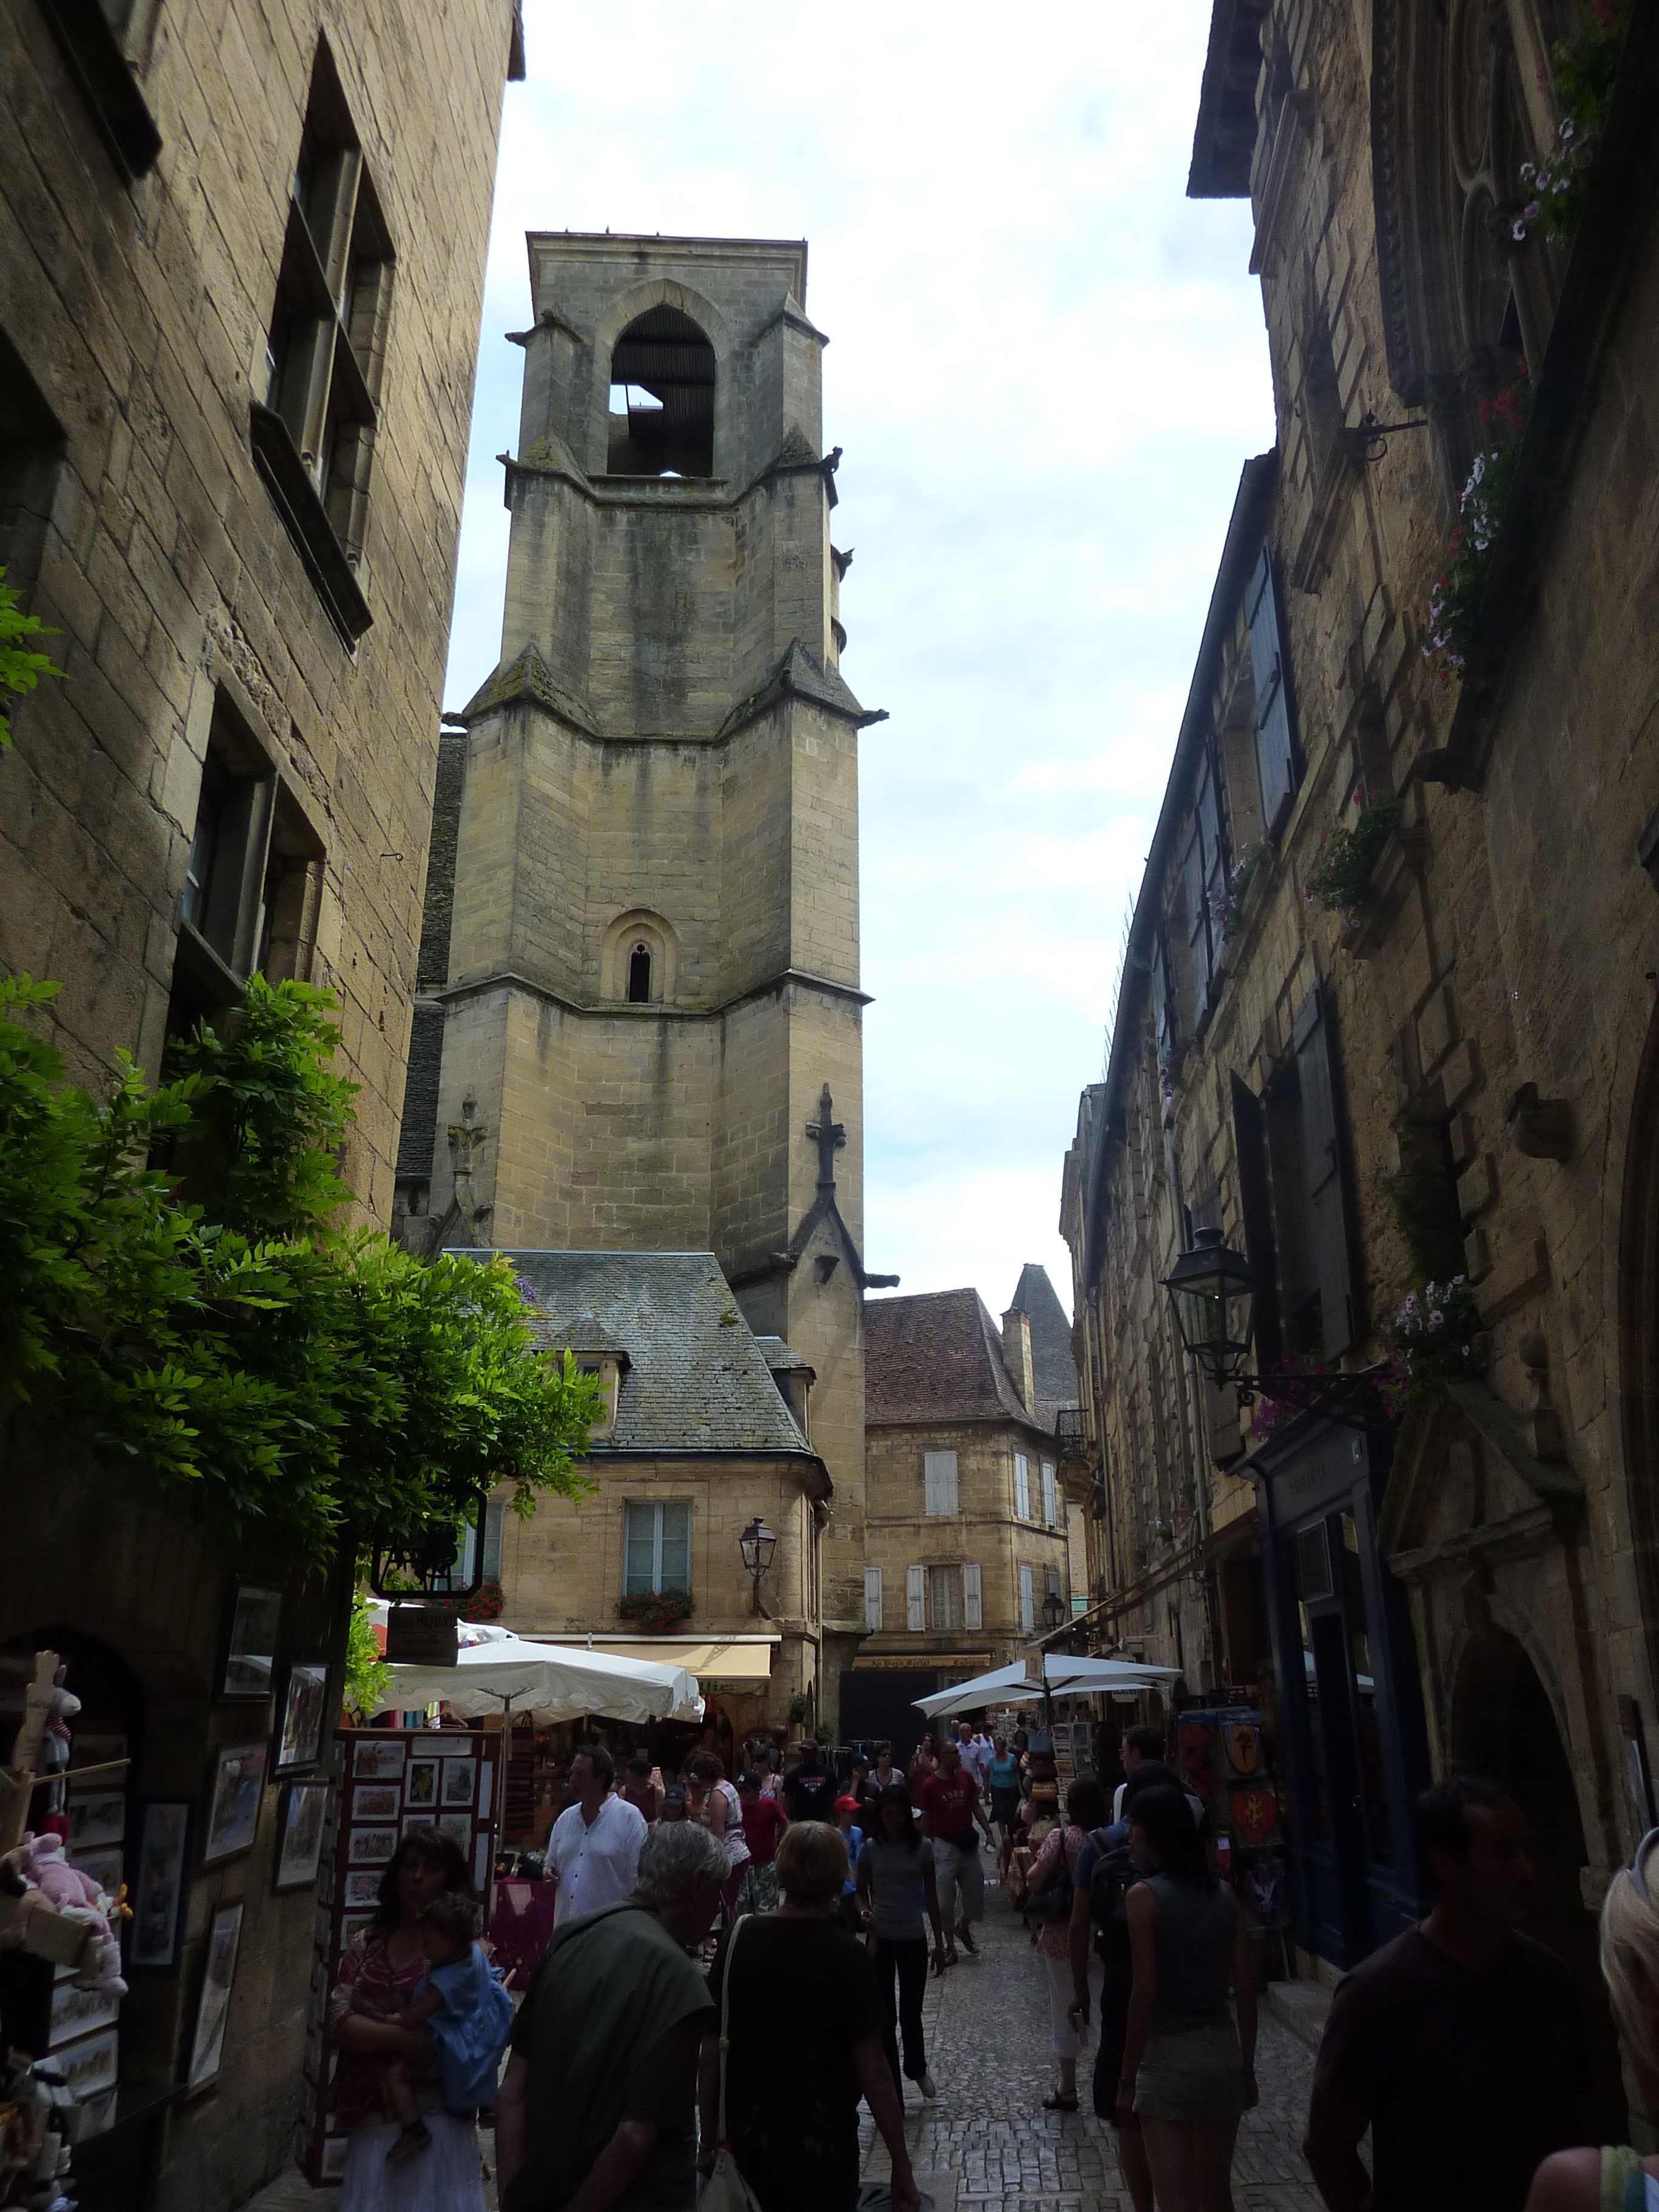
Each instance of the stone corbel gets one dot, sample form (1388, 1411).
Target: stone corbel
(1542, 1128)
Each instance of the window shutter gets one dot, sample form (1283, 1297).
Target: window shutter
(1322, 1177)
(1257, 1205)
(1270, 664)
(973, 1604)
(1163, 1005)
(940, 1481)
(676, 1569)
(1022, 1486)
(873, 1597)
(1027, 1602)
(1050, 1504)
(1197, 923)
(1212, 835)
(915, 1599)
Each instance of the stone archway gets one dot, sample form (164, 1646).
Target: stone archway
(1503, 1724)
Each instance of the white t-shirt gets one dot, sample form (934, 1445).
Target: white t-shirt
(596, 1865)
(979, 1751)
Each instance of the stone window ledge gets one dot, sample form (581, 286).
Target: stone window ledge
(107, 84)
(305, 520)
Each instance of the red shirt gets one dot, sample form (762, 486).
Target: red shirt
(763, 1822)
(948, 1804)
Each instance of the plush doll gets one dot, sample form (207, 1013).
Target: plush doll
(55, 1739)
(75, 1896)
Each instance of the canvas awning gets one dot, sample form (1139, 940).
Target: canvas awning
(745, 1660)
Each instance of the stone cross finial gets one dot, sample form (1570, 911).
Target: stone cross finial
(829, 1135)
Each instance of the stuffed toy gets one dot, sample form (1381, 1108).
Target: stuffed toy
(55, 1739)
(75, 1896)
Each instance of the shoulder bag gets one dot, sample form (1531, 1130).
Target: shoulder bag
(725, 2190)
(1053, 1900)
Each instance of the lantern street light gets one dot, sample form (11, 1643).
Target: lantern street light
(1053, 1610)
(758, 1544)
(1213, 1294)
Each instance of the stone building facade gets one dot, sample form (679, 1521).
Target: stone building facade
(241, 267)
(967, 1557)
(649, 991)
(703, 1431)
(1431, 1052)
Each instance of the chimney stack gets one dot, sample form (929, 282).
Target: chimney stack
(1016, 1351)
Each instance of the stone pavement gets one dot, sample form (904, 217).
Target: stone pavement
(985, 2144)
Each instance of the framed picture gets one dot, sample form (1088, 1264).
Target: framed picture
(99, 1816)
(458, 1827)
(334, 2157)
(371, 1847)
(459, 1784)
(376, 1760)
(363, 1889)
(158, 1909)
(421, 1787)
(303, 1710)
(213, 2012)
(238, 1780)
(76, 2012)
(250, 1665)
(300, 1826)
(376, 1801)
(107, 1866)
(95, 1747)
(89, 2066)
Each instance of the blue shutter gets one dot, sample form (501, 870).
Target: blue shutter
(1270, 664)
(1323, 1183)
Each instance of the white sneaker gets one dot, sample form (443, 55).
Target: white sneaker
(925, 2083)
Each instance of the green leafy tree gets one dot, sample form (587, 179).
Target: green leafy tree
(367, 1677)
(209, 1327)
(21, 666)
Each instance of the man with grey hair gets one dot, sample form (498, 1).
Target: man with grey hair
(596, 2111)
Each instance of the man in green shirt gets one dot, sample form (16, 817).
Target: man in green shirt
(596, 2111)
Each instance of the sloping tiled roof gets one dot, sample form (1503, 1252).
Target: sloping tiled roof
(937, 1357)
(696, 1380)
(1051, 1340)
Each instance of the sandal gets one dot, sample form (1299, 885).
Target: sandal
(1055, 2103)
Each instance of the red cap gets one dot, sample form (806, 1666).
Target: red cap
(847, 1804)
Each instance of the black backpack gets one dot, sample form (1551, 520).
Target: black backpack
(1114, 1874)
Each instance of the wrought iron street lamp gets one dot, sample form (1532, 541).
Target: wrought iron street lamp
(758, 1544)
(1213, 1294)
(433, 1561)
(1053, 1610)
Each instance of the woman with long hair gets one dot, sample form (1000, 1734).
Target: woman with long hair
(1049, 1901)
(1188, 2066)
(379, 1974)
(898, 1899)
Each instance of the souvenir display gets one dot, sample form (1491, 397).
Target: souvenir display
(303, 1712)
(385, 1784)
(239, 1780)
(163, 1860)
(213, 2009)
(1197, 1747)
(250, 1659)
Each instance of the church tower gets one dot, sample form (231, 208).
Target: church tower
(651, 1008)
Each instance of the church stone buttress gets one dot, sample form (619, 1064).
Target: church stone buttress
(653, 980)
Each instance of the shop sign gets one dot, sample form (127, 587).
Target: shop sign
(422, 1636)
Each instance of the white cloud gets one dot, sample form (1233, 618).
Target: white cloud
(1047, 368)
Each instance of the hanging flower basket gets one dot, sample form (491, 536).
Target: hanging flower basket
(657, 1610)
(1435, 1335)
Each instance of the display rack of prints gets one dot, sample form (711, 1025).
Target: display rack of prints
(1244, 1805)
(383, 1782)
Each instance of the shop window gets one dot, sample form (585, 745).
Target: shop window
(1270, 666)
(656, 1548)
(30, 454)
(662, 398)
(940, 1482)
(314, 424)
(1022, 1487)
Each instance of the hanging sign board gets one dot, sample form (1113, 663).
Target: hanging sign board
(422, 1636)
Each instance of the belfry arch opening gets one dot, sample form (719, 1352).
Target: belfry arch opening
(662, 398)
(638, 974)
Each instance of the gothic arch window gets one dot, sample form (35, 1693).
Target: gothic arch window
(638, 957)
(662, 398)
(1457, 108)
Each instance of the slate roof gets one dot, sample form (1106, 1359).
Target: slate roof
(1052, 1363)
(937, 1358)
(696, 1380)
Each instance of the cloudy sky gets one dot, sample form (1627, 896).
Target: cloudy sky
(1047, 367)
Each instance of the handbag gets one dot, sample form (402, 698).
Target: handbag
(725, 2190)
(1053, 1900)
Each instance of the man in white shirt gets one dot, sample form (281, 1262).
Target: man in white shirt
(977, 1752)
(1139, 1742)
(594, 1852)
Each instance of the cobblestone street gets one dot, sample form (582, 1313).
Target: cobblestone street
(985, 2144)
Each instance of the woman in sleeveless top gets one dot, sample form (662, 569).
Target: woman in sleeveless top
(1187, 2068)
(1617, 2179)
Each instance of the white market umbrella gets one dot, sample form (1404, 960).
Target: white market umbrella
(1070, 1677)
(1002, 1686)
(549, 1682)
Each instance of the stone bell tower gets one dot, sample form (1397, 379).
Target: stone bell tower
(653, 978)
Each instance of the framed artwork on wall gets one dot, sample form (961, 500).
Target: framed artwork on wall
(250, 1661)
(300, 1827)
(158, 1910)
(212, 2011)
(238, 1780)
(301, 1716)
